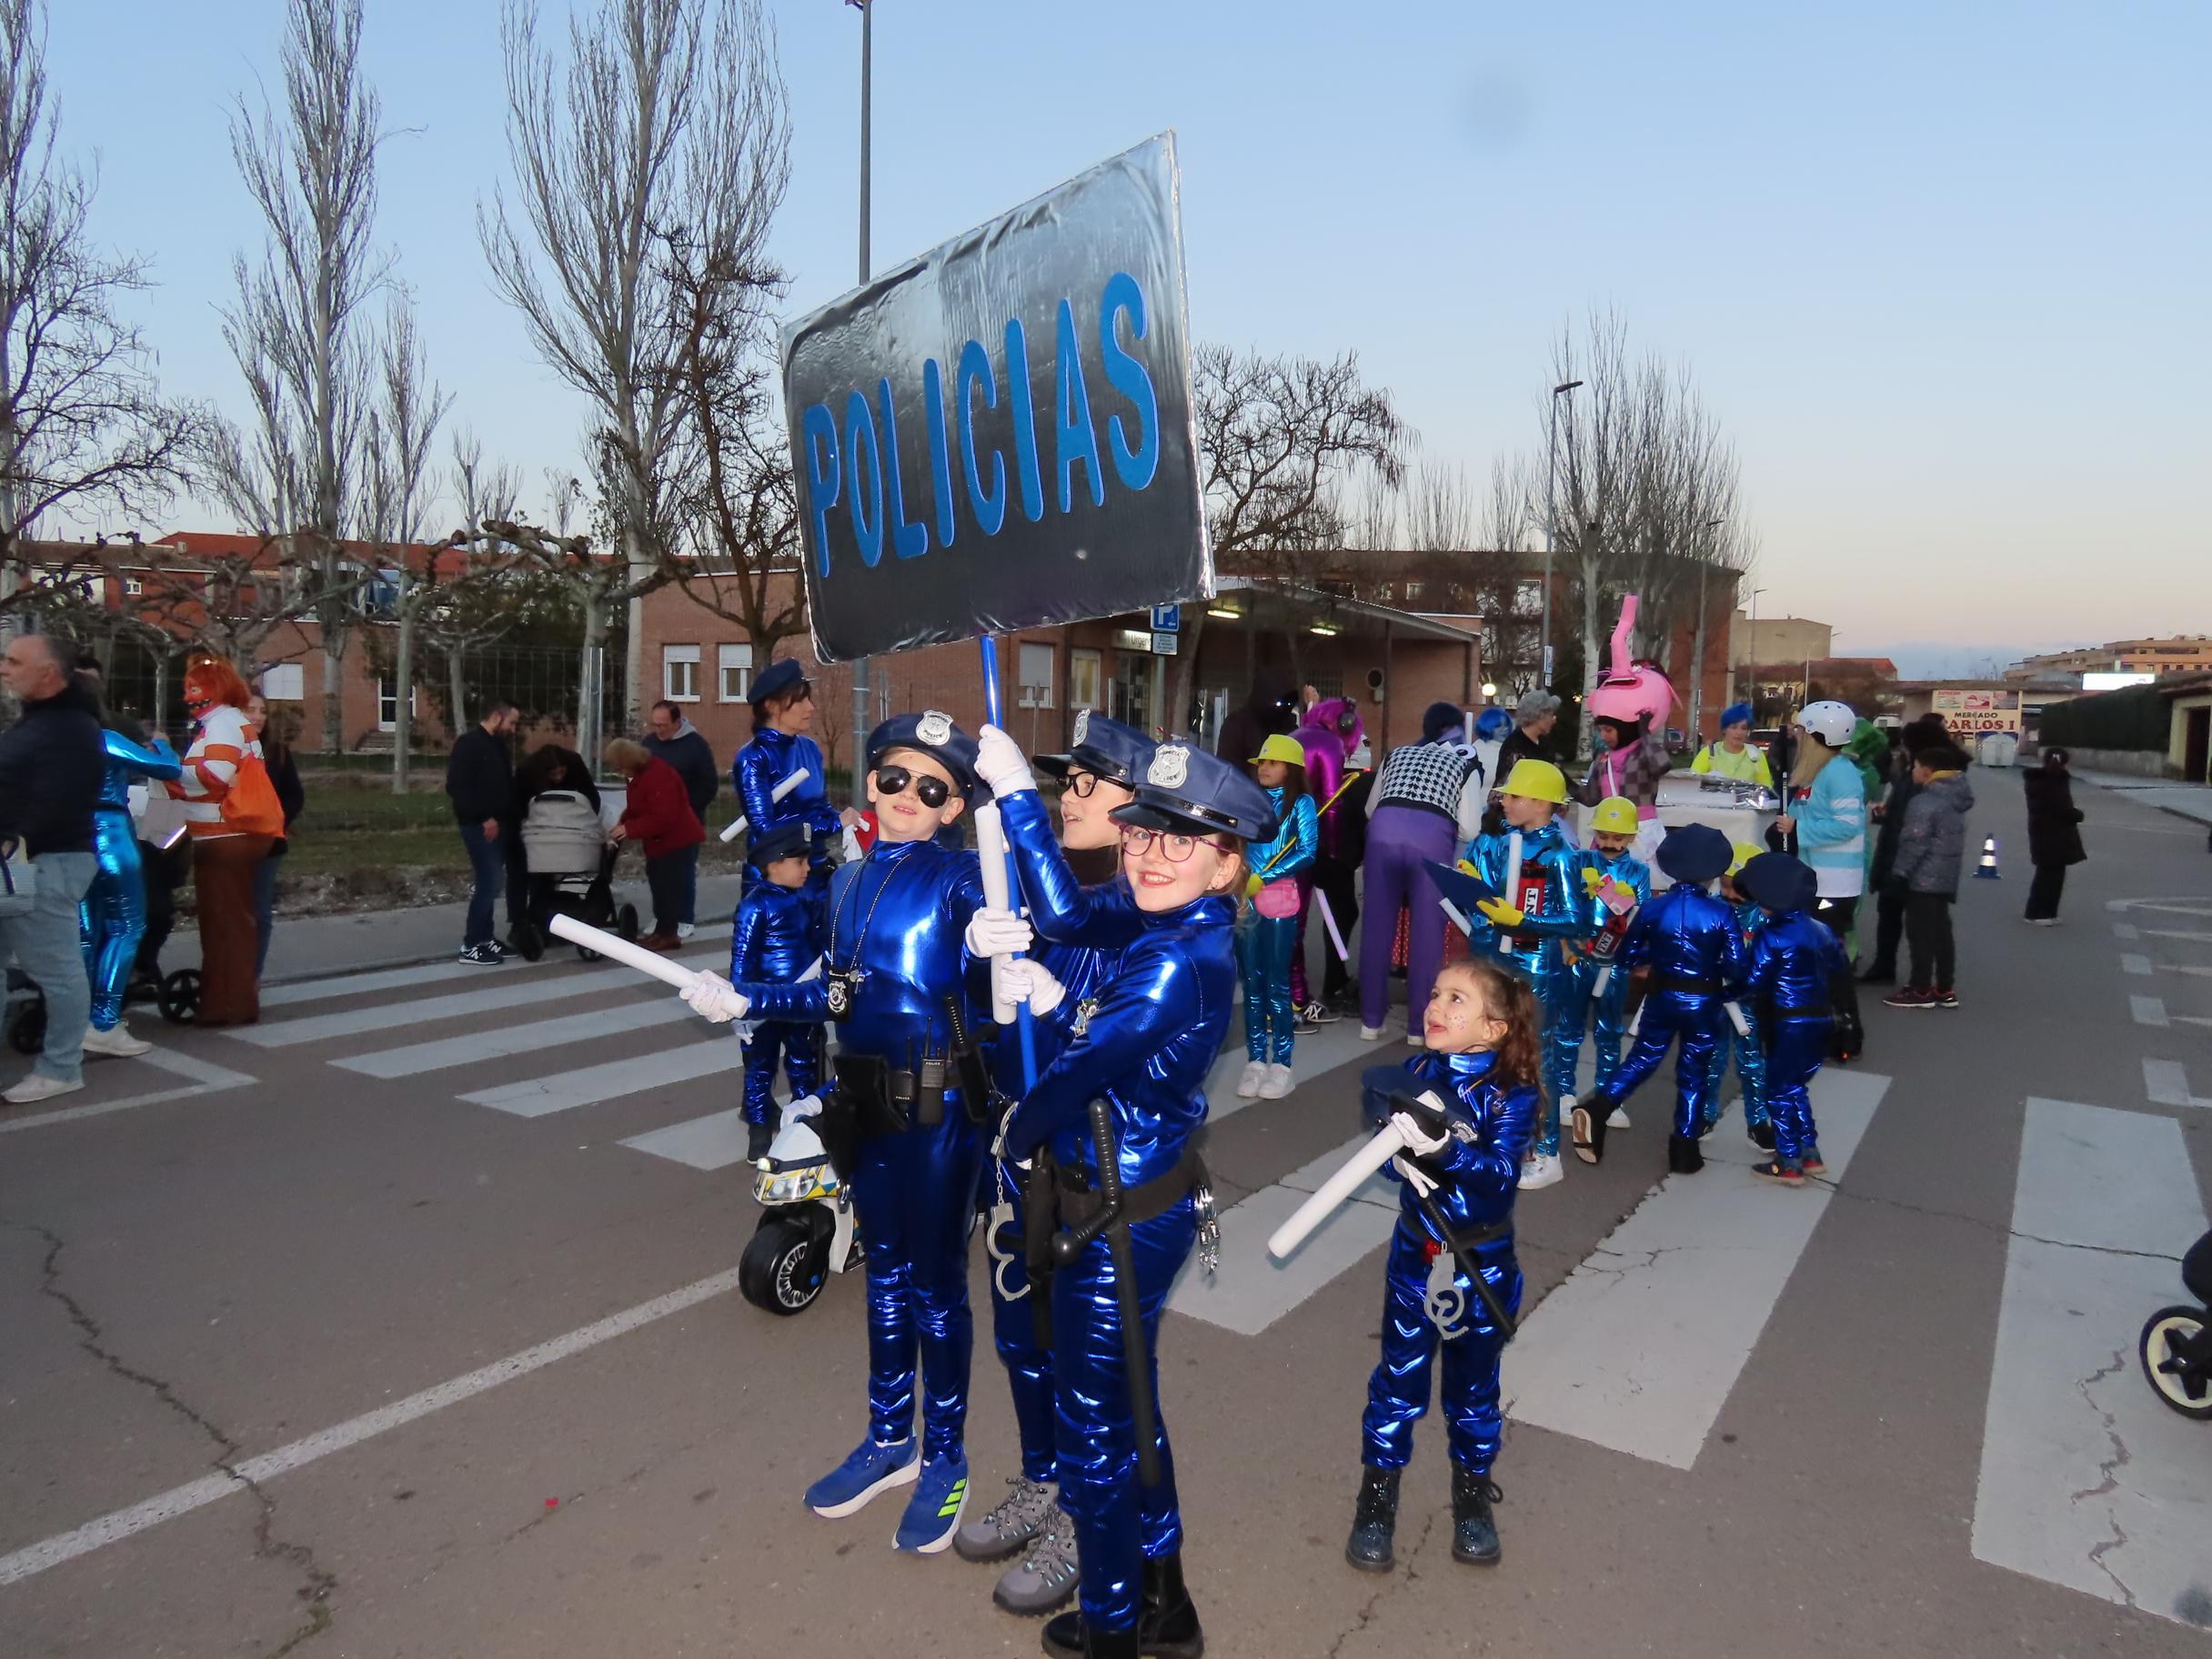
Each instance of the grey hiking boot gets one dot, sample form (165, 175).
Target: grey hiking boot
(1019, 1516)
(1046, 1577)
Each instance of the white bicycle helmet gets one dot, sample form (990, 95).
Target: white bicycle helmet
(1831, 722)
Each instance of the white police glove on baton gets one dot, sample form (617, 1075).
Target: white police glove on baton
(715, 998)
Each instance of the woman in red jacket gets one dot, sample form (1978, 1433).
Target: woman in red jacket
(659, 818)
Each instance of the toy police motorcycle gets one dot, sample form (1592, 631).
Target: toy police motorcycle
(808, 1231)
(2176, 1343)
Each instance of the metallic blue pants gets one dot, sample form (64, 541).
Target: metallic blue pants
(1118, 1525)
(1556, 1003)
(1397, 1392)
(1750, 1067)
(797, 1049)
(1263, 959)
(1795, 1053)
(914, 1193)
(1013, 1328)
(1564, 1030)
(111, 918)
(1698, 1019)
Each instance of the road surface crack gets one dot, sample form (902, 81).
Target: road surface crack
(317, 1581)
(2110, 1470)
(1396, 1581)
(1989, 1226)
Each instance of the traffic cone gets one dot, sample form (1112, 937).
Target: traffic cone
(1988, 872)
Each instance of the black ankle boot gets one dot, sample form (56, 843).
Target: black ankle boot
(1064, 1635)
(1068, 1637)
(758, 1138)
(1167, 1623)
(1474, 1532)
(1684, 1155)
(1111, 1645)
(1374, 1518)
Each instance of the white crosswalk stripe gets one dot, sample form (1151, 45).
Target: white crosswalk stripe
(535, 1097)
(500, 1041)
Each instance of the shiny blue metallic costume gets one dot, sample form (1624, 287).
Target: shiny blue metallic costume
(774, 943)
(1563, 1044)
(898, 918)
(762, 764)
(1690, 941)
(1478, 1179)
(1750, 1056)
(111, 918)
(1145, 1047)
(1265, 943)
(1062, 910)
(1550, 900)
(1793, 964)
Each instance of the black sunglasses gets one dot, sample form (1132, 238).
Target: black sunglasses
(892, 780)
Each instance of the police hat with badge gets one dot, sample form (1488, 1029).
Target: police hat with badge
(1104, 747)
(792, 838)
(776, 680)
(932, 733)
(1187, 791)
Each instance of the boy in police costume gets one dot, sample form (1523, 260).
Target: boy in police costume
(773, 943)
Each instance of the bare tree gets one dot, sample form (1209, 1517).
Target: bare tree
(666, 122)
(296, 327)
(396, 488)
(1280, 440)
(446, 618)
(84, 430)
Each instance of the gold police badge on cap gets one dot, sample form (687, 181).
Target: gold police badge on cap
(934, 727)
(1170, 766)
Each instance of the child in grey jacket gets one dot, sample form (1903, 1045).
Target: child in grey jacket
(1931, 854)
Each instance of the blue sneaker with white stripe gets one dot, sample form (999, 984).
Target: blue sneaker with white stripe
(870, 1469)
(933, 1512)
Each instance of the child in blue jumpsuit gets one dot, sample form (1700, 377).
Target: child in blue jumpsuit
(1484, 1052)
(773, 943)
(903, 988)
(1098, 774)
(1528, 928)
(1611, 885)
(1690, 943)
(1793, 961)
(1267, 927)
(1136, 1068)
(783, 713)
(1750, 1061)
(111, 917)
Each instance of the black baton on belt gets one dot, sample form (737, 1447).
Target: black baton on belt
(1143, 1417)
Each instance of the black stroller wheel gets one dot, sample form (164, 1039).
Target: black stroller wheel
(27, 1032)
(180, 996)
(626, 921)
(528, 942)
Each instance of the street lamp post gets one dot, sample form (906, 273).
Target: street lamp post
(1551, 516)
(860, 720)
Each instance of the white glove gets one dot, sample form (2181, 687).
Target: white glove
(1000, 764)
(715, 998)
(998, 933)
(1411, 1174)
(1418, 1140)
(1026, 980)
(805, 1106)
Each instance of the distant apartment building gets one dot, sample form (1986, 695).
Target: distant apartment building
(1770, 640)
(2177, 653)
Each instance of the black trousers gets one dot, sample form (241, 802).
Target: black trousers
(1927, 933)
(1332, 878)
(664, 878)
(2045, 892)
(1836, 916)
(1888, 930)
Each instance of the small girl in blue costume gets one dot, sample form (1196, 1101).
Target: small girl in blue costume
(1611, 884)
(774, 942)
(1479, 1083)
(1794, 962)
(1140, 1051)
(783, 713)
(111, 917)
(1267, 929)
(900, 983)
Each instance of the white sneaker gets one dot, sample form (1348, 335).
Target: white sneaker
(684, 930)
(38, 1086)
(1617, 1118)
(1414, 1040)
(1542, 1170)
(1370, 1033)
(1276, 1083)
(1248, 1083)
(119, 1042)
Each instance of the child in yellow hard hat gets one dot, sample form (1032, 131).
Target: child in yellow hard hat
(1267, 928)
(1610, 884)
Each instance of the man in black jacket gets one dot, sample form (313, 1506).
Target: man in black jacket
(684, 747)
(1890, 904)
(51, 761)
(480, 779)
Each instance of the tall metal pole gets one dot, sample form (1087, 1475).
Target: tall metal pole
(1551, 518)
(860, 720)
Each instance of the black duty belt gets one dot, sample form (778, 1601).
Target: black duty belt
(1078, 1198)
(1805, 1011)
(1686, 986)
(887, 1100)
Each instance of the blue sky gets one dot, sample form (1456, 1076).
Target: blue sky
(1940, 268)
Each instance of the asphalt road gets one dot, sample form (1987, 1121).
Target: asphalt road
(327, 1357)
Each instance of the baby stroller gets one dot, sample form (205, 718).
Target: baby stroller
(2177, 1345)
(571, 867)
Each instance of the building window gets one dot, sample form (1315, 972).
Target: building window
(285, 684)
(388, 701)
(679, 673)
(1036, 677)
(1084, 674)
(734, 663)
(132, 587)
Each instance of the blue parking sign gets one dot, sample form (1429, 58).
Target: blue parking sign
(1167, 619)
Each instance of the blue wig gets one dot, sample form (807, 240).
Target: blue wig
(1736, 714)
(1493, 723)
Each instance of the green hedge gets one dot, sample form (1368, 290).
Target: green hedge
(2136, 717)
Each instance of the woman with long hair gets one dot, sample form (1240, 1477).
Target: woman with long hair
(1827, 814)
(231, 814)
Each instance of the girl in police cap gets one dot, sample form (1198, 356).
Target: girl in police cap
(783, 702)
(1142, 1047)
(900, 981)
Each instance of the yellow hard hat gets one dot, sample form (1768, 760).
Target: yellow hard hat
(1539, 780)
(1615, 815)
(1744, 853)
(1284, 747)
